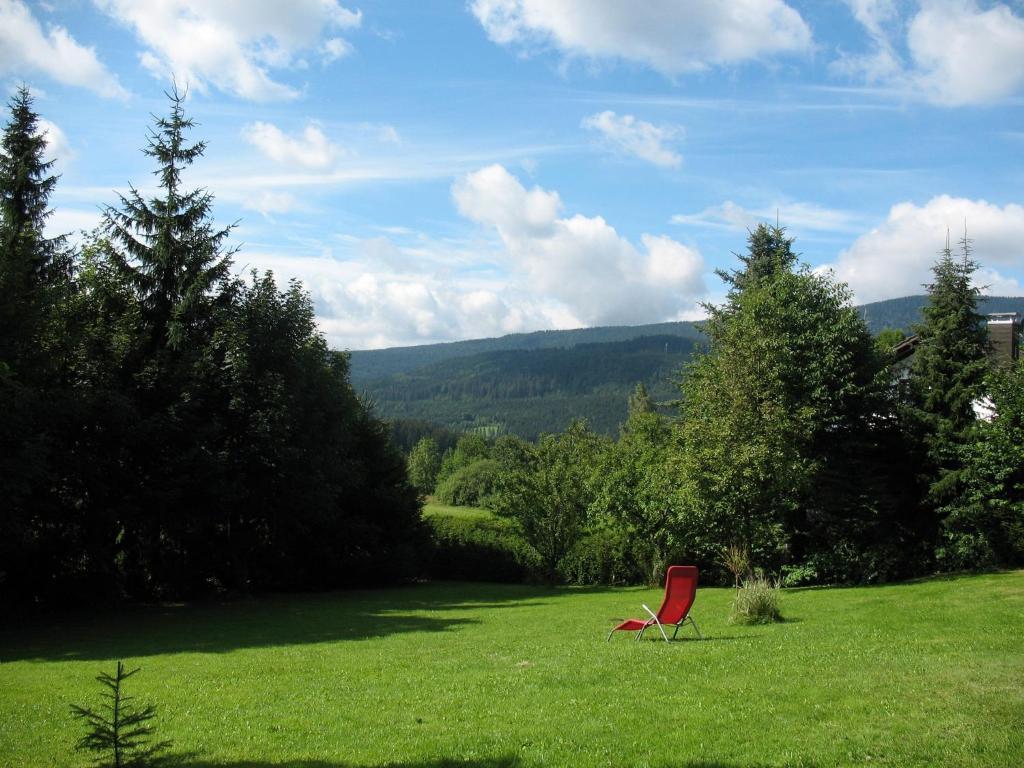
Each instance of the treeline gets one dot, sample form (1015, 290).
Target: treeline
(166, 428)
(796, 442)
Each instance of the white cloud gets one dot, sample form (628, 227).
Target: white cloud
(57, 145)
(965, 55)
(376, 300)
(957, 53)
(268, 202)
(233, 45)
(895, 258)
(793, 215)
(635, 137)
(24, 47)
(311, 150)
(582, 262)
(669, 36)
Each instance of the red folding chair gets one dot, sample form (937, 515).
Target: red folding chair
(680, 591)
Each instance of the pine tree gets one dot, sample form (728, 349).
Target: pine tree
(167, 247)
(29, 261)
(948, 371)
(119, 729)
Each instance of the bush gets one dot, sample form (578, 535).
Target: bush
(478, 550)
(469, 486)
(601, 557)
(756, 602)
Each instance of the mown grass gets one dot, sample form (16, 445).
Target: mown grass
(436, 509)
(509, 676)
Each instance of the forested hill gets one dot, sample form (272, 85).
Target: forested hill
(531, 383)
(904, 312)
(371, 365)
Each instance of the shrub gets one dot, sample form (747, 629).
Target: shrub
(756, 602)
(799, 575)
(469, 486)
(478, 550)
(602, 557)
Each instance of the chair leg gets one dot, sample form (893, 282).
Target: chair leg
(608, 639)
(675, 632)
(699, 635)
(641, 633)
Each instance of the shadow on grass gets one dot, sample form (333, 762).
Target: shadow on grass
(278, 620)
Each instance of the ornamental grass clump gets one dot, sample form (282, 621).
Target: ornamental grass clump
(756, 602)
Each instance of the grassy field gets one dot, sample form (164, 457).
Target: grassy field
(435, 509)
(502, 676)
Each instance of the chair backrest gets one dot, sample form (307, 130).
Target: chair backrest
(680, 591)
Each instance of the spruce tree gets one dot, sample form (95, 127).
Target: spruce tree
(29, 261)
(167, 248)
(769, 253)
(948, 372)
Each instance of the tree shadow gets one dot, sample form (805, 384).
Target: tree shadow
(276, 620)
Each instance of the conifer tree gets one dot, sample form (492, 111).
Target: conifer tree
(948, 371)
(769, 253)
(119, 729)
(29, 261)
(167, 248)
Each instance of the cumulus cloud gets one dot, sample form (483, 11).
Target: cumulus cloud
(311, 149)
(895, 258)
(666, 35)
(384, 297)
(634, 137)
(792, 215)
(957, 53)
(234, 45)
(25, 47)
(582, 262)
(57, 145)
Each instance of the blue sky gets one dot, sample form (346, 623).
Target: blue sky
(443, 170)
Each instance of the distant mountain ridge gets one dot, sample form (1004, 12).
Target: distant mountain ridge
(528, 383)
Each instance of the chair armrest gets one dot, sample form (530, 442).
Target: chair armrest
(652, 614)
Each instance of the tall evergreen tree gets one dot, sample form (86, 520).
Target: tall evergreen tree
(948, 372)
(30, 262)
(167, 248)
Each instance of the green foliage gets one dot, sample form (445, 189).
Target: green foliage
(477, 549)
(604, 556)
(637, 491)
(549, 492)
(405, 433)
(947, 374)
(191, 433)
(756, 602)
(424, 464)
(34, 269)
(789, 392)
(470, 486)
(984, 526)
(120, 730)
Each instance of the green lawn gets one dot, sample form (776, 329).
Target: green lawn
(497, 676)
(434, 509)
